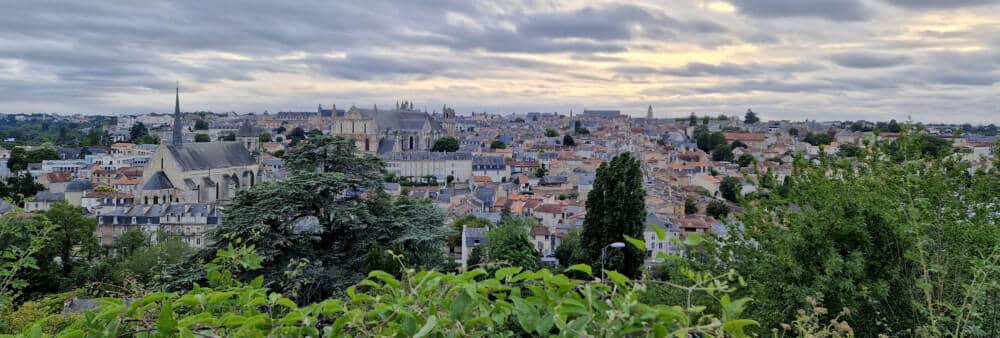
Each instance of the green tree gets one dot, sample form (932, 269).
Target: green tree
(137, 131)
(497, 144)
(730, 188)
(264, 137)
(690, 207)
(616, 208)
(19, 188)
(750, 117)
(202, 138)
(692, 119)
(200, 125)
(717, 209)
(21, 239)
(817, 139)
(793, 131)
(317, 227)
(148, 139)
(551, 132)
(509, 245)
(722, 152)
(570, 250)
(445, 144)
(568, 141)
(745, 160)
(73, 240)
(229, 137)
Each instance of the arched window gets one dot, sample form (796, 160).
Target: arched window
(145, 200)
(411, 142)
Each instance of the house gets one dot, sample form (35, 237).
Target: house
(550, 215)
(419, 164)
(545, 241)
(55, 181)
(188, 221)
(94, 200)
(757, 142)
(655, 245)
(75, 190)
(472, 238)
(43, 201)
(493, 167)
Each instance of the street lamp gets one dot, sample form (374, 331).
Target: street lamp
(604, 254)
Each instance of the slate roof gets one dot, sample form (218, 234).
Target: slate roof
(158, 181)
(488, 163)
(211, 155)
(45, 196)
(405, 120)
(385, 146)
(248, 130)
(428, 155)
(486, 195)
(472, 235)
(6, 207)
(78, 185)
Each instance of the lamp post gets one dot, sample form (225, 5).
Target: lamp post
(604, 254)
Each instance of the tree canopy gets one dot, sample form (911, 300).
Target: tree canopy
(445, 144)
(616, 208)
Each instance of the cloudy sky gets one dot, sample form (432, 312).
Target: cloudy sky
(932, 60)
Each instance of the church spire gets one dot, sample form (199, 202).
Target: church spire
(178, 137)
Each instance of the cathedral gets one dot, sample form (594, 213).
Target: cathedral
(395, 130)
(198, 172)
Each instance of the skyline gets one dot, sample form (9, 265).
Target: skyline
(821, 60)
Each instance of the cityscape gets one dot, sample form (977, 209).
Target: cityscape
(848, 191)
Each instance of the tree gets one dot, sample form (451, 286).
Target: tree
(313, 133)
(851, 150)
(470, 221)
(509, 245)
(73, 237)
(722, 117)
(104, 188)
(297, 134)
(722, 152)
(445, 144)
(570, 250)
(568, 141)
(693, 119)
(717, 209)
(551, 133)
(616, 208)
(229, 137)
(498, 145)
(793, 131)
(730, 188)
(279, 130)
(202, 138)
(137, 131)
(690, 207)
(19, 188)
(318, 227)
(745, 160)
(706, 140)
(705, 119)
(750, 117)
(540, 172)
(200, 125)
(817, 139)
(148, 139)
(264, 137)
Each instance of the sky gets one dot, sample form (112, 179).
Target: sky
(925, 60)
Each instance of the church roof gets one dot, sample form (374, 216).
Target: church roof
(211, 155)
(158, 181)
(78, 185)
(247, 130)
(406, 120)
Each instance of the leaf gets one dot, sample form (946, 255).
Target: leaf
(693, 240)
(638, 243)
(167, 325)
(735, 327)
(617, 278)
(384, 277)
(582, 268)
(428, 326)
(660, 234)
(507, 272)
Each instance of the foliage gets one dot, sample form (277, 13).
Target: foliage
(148, 139)
(68, 251)
(468, 221)
(264, 137)
(540, 172)
(722, 152)
(39, 129)
(510, 302)
(707, 141)
(445, 144)
(690, 207)
(851, 150)
(200, 125)
(904, 239)
(315, 228)
(20, 158)
(745, 160)
(750, 117)
(793, 131)
(509, 245)
(202, 138)
(717, 209)
(570, 250)
(551, 132)
(497, 144)
(229, 137)
(730, 188)
(568, 141)
(21, 238)
(20, 187)
(104, 188)
(616, 208)
(818, 139)
(137, 131)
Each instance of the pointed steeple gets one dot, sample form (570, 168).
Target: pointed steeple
(177, 137)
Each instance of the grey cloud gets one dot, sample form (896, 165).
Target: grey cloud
(868, 60)
(932, 4)
(698, 69)
(836, 10)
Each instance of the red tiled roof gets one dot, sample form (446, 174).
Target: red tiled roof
(550, 208)
(745, 137)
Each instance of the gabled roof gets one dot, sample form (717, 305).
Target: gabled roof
(158, 181)
(211, 155)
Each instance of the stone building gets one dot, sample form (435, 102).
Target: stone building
(386, 131)
(196, 172)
